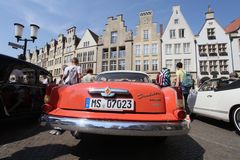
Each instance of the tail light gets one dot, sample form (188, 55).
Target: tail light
(46, 98)
(180, 114)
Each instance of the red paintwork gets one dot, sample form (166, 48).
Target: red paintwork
(69, 101)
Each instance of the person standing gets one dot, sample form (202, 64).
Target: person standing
(184, 80)
(89, 77)
(72, 73)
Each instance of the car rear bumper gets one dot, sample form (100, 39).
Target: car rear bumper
(120, 128)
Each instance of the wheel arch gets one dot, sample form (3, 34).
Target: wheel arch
(231, 111)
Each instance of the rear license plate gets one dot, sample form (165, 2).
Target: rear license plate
(109, 104)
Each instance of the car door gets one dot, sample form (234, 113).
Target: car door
(18, 90)
(207, 99)
(41, 89)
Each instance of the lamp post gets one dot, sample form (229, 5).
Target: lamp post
(18, 34)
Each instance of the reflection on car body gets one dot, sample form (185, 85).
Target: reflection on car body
(21, 92)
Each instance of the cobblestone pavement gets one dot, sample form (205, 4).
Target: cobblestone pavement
(208, 139)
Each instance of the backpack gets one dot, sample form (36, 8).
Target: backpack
(187, 80)
(164, 78)
(73, 76)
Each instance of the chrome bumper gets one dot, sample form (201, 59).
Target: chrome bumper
(120, 128)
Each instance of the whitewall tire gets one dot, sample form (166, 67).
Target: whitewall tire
(236, 119)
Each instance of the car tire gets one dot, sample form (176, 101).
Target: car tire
(235, 118)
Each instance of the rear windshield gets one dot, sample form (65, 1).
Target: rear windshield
(123, 77)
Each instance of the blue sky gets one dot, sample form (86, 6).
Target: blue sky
(55, 16)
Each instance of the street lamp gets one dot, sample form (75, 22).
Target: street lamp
(18, 34)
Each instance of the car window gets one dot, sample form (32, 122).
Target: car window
(209, 85)
(44, 78)
(123, 77)
(22, 75)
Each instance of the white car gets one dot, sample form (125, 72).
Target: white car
(218, 99)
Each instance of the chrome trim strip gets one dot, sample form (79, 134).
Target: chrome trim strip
(225, 112)
(121, 128)
(113, 91)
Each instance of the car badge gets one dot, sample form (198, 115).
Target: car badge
(107, 91)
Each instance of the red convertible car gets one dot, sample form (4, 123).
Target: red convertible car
(123, 103)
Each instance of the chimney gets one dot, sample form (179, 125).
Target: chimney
(161, 30)
(209, 14)
(176, 9)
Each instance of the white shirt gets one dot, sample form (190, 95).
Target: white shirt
(88, 78)
(70, 79)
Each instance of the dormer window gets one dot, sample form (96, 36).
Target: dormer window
(176, 21)
(211, 33)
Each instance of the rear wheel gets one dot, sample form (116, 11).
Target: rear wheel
(236, 119)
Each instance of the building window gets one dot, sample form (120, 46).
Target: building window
(154, 48)
(186, 48)
(223, 65)
(222, 47)
(137, 50)
(90, 55)
(177, 48)
(154, 65)
(145, 65)
(113, 53)
(169, 64)
(67, 59)
(145, 49)
(176, 21)
(202, 50)
(90, 65)
(114, 37)
(105, 54)
(113, 65)
(137, 65)
(211, 33)
(84, 67)
(86, 44)
(203, 67)
(187, 64)
(212, 50)
(213, 66)
(79, 56)
(121, 53)
(181, 33)
(104, 66)
(121, 64)
(145, 35)
(172, 33)
(168, 48)
(84, 56)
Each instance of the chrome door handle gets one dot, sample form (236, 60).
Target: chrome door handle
(209, 96)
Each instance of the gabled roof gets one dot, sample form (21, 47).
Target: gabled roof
(94, 35)
(233, 26)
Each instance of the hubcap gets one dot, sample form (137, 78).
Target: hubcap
(237, 118)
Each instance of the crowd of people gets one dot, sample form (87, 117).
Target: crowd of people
(183, 81)
(73, 74)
